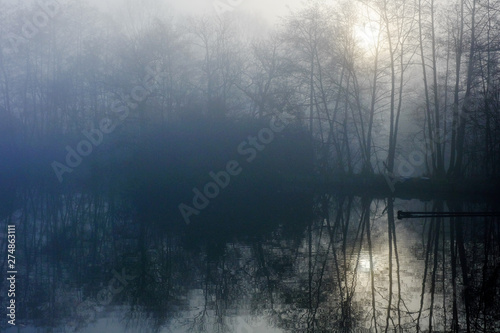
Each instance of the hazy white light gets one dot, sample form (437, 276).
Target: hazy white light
(364, 264)
(368, 28)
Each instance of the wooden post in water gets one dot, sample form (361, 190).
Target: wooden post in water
(413, 215)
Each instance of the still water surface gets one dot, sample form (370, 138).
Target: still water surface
(328, 263)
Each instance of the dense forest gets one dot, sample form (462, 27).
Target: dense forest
(401, 88)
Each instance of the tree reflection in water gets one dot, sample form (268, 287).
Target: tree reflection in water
(290, 264)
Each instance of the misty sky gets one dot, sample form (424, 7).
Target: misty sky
(268, 9)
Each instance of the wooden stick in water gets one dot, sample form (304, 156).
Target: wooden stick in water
(413, 215)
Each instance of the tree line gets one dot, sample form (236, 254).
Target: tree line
(377, 84)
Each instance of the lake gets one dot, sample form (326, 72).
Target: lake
(297, 262)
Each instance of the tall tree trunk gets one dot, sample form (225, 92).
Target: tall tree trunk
(426, 89)
(437, 135)
(367, 167)
(458, 167)
(392, 139)
(456, 101)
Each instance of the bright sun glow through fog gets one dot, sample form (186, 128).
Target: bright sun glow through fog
(368, 28)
